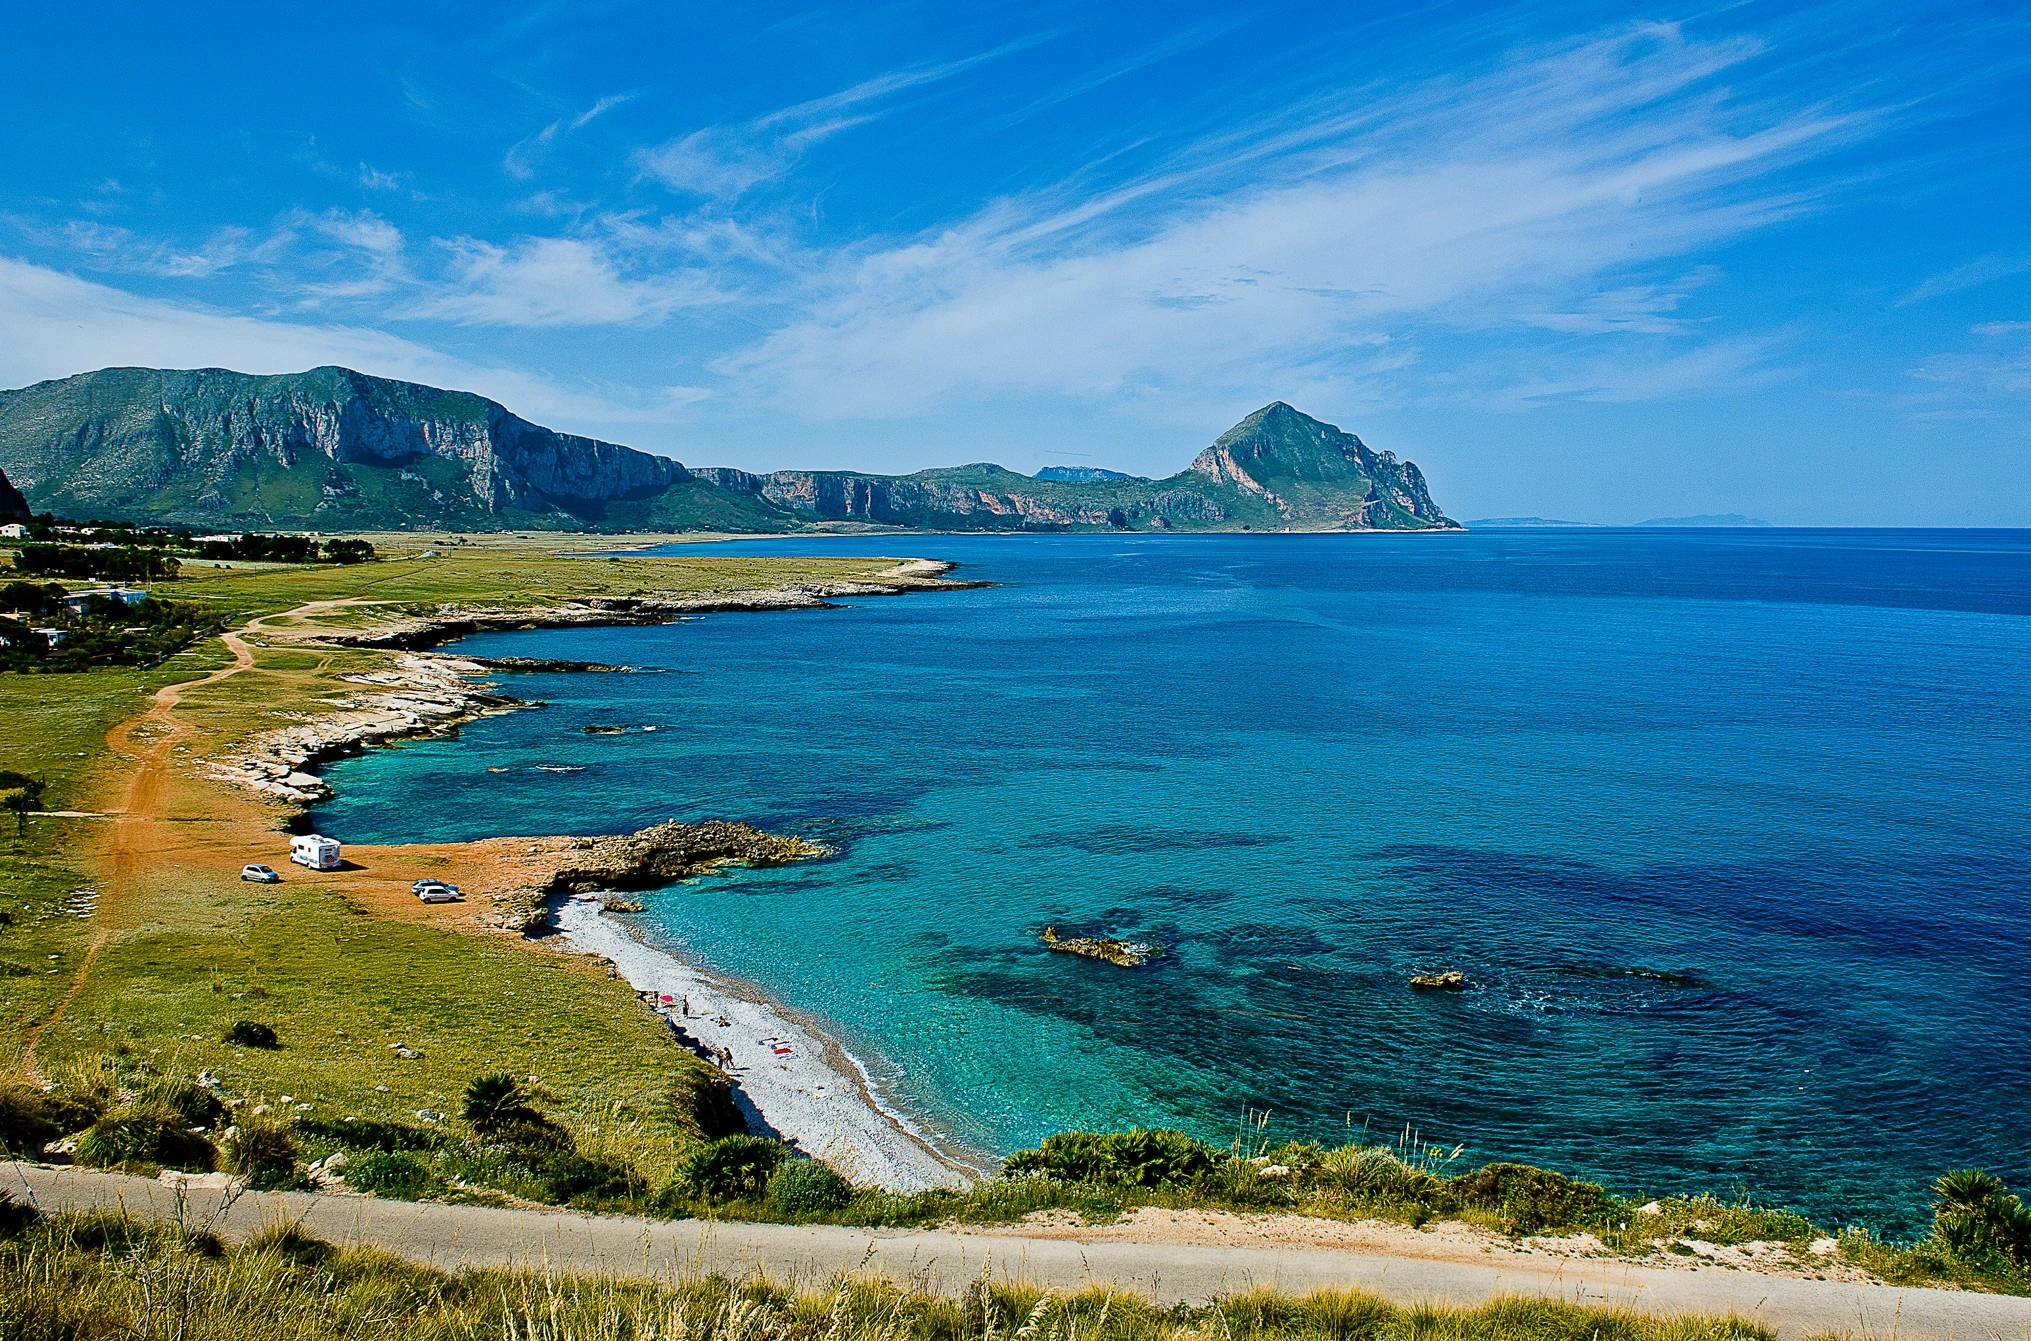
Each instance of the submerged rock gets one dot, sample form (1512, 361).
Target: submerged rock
(1125, 954)
(1452, 980)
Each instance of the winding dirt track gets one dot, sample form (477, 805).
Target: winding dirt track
(148, 740)
(948, 1263)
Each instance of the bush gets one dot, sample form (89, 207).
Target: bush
(371, 1133)
(252, 1034)
(701, 1100)
(196, 1105)
(1975, 1219)
(26, 1124)
(808, 1187)
(391, 1173)
(496, 1101)
(142, 1137)
(1138, 1158)
(732, 1168)
(574, 1179)
(1530, 1199)
(1373, 1173)
(262, 1154)
(292, 1245)
(16, 1218)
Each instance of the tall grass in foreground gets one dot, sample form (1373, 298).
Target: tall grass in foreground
(89, 1276)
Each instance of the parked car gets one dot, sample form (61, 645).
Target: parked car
(260, 874)
(435, 891)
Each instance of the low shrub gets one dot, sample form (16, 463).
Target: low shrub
(1530, 1199)
(392, 1173)
(732, 1168)
(26, 1124)
(145, 1137)
(290, 1244)
(111, 1234)
(16, 1217)
(1974, 1218)
(370, 1133)
(262, 1153)
(195, 1104)
(590, 1182)
(808, 1187)
(1137, 1158)
(495, 1101)
(701, 1102)
(1374, 1174)
(252, 1034)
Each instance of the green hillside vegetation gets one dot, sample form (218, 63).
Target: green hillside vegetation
(332, 449)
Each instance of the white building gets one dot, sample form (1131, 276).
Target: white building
(13, 531)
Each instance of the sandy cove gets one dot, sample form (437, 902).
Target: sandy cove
(802, 1084)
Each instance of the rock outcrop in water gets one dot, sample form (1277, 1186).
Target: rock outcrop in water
(1123, 954)
(334, 449)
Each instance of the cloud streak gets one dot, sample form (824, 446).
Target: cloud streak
(1532, 197)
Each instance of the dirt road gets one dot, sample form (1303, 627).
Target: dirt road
(947, 1262)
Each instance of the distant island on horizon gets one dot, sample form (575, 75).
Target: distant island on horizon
(333, 449)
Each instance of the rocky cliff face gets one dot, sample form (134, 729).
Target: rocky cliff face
(13, 507)
(1316, 476)
(326, 445)
(332, 449)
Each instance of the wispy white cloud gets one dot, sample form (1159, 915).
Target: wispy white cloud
(374, 179)
(1532, 196)
(1990, 382)
(53, 325)
(122, 250)
(1982, 270)
(725, 162)
(538, 281)
(520, 160)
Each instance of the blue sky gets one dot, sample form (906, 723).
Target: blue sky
(1578, 261)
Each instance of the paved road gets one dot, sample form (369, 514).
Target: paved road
(946, 1262)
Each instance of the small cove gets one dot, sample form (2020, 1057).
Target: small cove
(1729, 831)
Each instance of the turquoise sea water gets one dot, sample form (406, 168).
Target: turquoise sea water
(1731, 832)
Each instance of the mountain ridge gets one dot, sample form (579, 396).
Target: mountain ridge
(332, 448)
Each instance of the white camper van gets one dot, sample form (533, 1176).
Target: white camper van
(315, 851)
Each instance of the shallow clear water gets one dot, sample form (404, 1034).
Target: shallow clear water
(1728, 829)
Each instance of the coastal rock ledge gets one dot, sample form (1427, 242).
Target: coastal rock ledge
(417, 696)
(533, 872)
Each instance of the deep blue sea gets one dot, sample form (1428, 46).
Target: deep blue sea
(1730, 830)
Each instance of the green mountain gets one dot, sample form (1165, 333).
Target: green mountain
(13, 507)
(331, 449)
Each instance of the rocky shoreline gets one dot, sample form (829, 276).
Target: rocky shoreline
(419, 695)
(535, 872)
(417, 631)
(425, 695)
